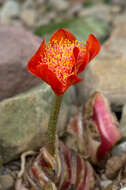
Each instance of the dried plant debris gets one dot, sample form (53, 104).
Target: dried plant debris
(65, 171)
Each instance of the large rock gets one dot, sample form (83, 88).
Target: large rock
(24, 120)
(16, 47)
(107, 73)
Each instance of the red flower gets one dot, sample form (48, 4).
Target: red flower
(60, 61)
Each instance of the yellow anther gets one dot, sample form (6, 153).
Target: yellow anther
(59, 56)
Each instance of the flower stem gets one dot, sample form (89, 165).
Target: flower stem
(52, 124)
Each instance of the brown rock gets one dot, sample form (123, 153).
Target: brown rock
(114, 165)
(121, 3)
(107, 73)
(17, 45)
(28, 17)
(6, 182)
(1, 2)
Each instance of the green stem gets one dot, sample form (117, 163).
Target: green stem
(52, 124)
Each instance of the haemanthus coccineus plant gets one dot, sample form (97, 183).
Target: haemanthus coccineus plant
(59, 63)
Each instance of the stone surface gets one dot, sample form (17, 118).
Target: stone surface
(59, 5)
(107, 73)
(10, 10)
(46, 19)
(123, 123)
(121, 3)
(1, 2)
(105, 183)
(31, 4)
(112, 169)
(84, 26)
(100, 11)
(18, 10)
(6, 182)
(119, 149)
(24, 119)
(28, 17)
(17, 45)
(38, 6)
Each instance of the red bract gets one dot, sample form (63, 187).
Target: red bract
(106, 123)
(61, 60)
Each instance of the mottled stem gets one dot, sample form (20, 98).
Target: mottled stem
(52, 124)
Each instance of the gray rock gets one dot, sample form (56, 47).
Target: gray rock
(59, 5)
(121, 3)
(119, 149)
(6, 182)
(1, 2)
(28, 17)
(24, 120)
(17, 45)
(105, 183)
(107, 73)
(46, 19)
(32, 12)
(9, 11)
(31, 4)
(100, 11)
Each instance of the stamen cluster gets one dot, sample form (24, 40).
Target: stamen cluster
(60, 58)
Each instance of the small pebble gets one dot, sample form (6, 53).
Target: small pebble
(6, 182)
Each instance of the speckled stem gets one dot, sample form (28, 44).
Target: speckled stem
(52, 124)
